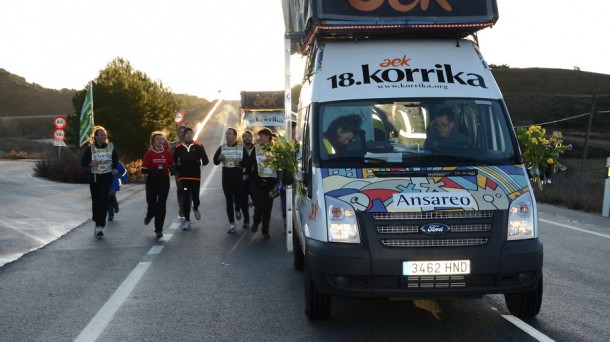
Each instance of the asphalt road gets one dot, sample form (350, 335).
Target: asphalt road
(207, 285)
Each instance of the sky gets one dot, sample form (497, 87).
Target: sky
(216, 48)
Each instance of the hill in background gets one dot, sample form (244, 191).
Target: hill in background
(18, 97)
(537, 95)
(533, 96)
(19, 100)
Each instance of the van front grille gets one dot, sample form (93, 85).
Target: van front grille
(458, 228)
(434, 242)
(403, 230)
(428, 215)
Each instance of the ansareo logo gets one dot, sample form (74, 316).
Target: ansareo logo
(398, 5)
(433, 199)
(435, 229)
(392, 71)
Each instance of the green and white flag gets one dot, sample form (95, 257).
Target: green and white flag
(86, 117)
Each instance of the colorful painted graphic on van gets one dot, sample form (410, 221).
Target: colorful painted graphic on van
(423, 189)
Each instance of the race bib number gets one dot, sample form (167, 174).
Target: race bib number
(232, 156)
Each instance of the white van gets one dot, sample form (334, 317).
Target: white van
(414, 182)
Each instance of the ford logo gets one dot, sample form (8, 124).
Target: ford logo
(435, 229)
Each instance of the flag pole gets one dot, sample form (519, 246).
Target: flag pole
(86, 116)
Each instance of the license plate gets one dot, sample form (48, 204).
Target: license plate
(437, 267)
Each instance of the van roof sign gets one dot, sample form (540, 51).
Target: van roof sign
(262, 100)
(403, 69)
(306, 19)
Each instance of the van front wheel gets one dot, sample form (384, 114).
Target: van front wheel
(526, 304)
(317, 305)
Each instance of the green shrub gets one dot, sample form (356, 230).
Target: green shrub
(65, 168)
(68, 169)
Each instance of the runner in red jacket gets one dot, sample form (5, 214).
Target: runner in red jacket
(157, 164)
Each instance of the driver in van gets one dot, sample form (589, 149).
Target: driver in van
(443, 132)
(340, 132)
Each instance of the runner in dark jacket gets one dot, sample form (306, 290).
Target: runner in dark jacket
(190, 156)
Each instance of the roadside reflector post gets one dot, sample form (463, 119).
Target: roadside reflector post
(606, 204)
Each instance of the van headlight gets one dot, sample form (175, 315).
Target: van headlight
(341, 219)
(522, 220)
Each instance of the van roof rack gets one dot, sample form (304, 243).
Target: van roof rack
(306, 20)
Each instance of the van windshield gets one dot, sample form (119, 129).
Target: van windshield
(427, 131)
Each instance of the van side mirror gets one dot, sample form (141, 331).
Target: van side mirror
(305, 178)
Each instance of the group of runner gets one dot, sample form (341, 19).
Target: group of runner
(244, 176)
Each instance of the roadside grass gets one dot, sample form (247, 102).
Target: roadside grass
(23, 148)
(575, 189)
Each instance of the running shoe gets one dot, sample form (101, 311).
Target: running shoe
(246, 225)
(147, 220)
(231, 229)
(197, 214)
(186, 225)
(238, 215)
(98, 231)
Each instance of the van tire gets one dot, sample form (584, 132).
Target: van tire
(526, 304)
(317, 305)
(298, 259)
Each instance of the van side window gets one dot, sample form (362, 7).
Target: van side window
(306, 163)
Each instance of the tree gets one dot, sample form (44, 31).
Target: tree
(499, 67)
(129, 105)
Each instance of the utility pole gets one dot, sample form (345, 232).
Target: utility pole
(584, 154)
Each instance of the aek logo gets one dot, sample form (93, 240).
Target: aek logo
(371, 5)
(404, 61)
(266, 101)
(398, 70)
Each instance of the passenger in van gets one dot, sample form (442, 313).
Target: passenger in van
(340, 132)
(443, 131)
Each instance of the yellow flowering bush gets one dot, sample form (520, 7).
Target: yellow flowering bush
(282, 156)
(540, 153)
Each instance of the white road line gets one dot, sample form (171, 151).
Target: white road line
(528, 329)
(99, 322)
(101, 319)
(155, 249)
(211, 175)
(577, 229)
(202, 124)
